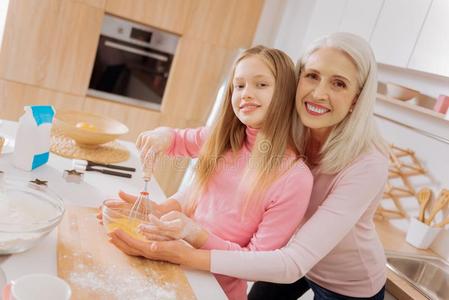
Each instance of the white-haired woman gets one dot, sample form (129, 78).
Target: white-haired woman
(336, 251)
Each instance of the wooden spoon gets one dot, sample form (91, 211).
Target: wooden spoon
(423, 195)
(441, 203)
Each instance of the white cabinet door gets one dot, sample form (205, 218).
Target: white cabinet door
(431, 53)
(326, 18)
(360, 17)
(397, 29)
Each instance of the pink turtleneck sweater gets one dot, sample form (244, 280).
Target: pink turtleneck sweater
(267, 226)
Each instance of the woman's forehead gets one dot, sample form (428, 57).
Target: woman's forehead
(332, 61)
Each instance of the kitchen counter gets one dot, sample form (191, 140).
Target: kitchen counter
(393, 239)
(90, 193)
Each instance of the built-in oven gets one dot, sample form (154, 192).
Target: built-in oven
(132, 64)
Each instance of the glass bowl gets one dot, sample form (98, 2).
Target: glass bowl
(28, 212)
(116, 214)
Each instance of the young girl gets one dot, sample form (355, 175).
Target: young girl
(251, 188)
(336, 252)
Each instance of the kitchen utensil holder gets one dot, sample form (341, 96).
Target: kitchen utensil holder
(421, 235)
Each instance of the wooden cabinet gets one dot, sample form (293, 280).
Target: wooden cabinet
(197, 72)
(94, 3)
(171, 15)
(230, 23)
(359, 17)
(51, 44)
(431, 53)
(397, 30)
(14, 96)
(326, 18)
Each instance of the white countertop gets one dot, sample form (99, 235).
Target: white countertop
(90, 193)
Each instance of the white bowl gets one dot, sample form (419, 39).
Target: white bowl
(28, 212)
(400, 92)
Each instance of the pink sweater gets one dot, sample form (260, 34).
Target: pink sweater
(267, 226)
(337, 247)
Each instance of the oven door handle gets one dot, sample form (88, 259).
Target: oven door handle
(135, 51)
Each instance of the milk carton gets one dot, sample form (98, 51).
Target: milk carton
(33, 137)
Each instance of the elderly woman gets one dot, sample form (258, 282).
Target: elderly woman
(336, 251)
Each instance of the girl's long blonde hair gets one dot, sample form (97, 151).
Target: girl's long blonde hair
(278, 133)
(357, 133)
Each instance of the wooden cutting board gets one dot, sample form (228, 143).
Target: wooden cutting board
(96, 269)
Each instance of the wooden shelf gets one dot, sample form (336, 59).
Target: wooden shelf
(411, 106)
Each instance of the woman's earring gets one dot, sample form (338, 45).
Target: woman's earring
(350, 110)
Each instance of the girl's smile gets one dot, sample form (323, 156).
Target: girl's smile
(248, 107)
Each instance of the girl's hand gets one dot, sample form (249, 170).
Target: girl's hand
(171, 251)
(151, 143)
(174, 225)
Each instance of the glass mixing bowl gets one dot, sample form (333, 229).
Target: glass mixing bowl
(116, 214)
(28, 212)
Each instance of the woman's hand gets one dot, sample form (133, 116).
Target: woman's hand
(175, 251)
(150, 144)
(174, 225)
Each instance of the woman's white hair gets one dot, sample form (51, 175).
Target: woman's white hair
(357, 133)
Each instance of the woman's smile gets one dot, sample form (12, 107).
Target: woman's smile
(315, 109)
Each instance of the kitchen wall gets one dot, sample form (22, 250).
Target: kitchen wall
(300, 21)
(49, 48)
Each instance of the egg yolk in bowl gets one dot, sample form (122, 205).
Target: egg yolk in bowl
(87, 126)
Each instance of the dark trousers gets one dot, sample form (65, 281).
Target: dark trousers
(274, 291)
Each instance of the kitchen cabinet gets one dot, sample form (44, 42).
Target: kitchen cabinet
(215, 22)
(198, 69)
(50, 44)
(222, 22)
(397, 30)
(431, 53)
(326, 18)
(14, 96)
(360, 16)
(171, 15)
(95, 3)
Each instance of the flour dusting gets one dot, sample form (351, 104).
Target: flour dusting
(123, 286)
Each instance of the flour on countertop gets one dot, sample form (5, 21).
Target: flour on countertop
(109, 280)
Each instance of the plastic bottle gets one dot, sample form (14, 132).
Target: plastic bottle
(32, 144)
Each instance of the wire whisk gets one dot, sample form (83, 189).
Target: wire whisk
(141, 208)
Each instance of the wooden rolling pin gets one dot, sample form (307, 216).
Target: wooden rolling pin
(441, 203)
